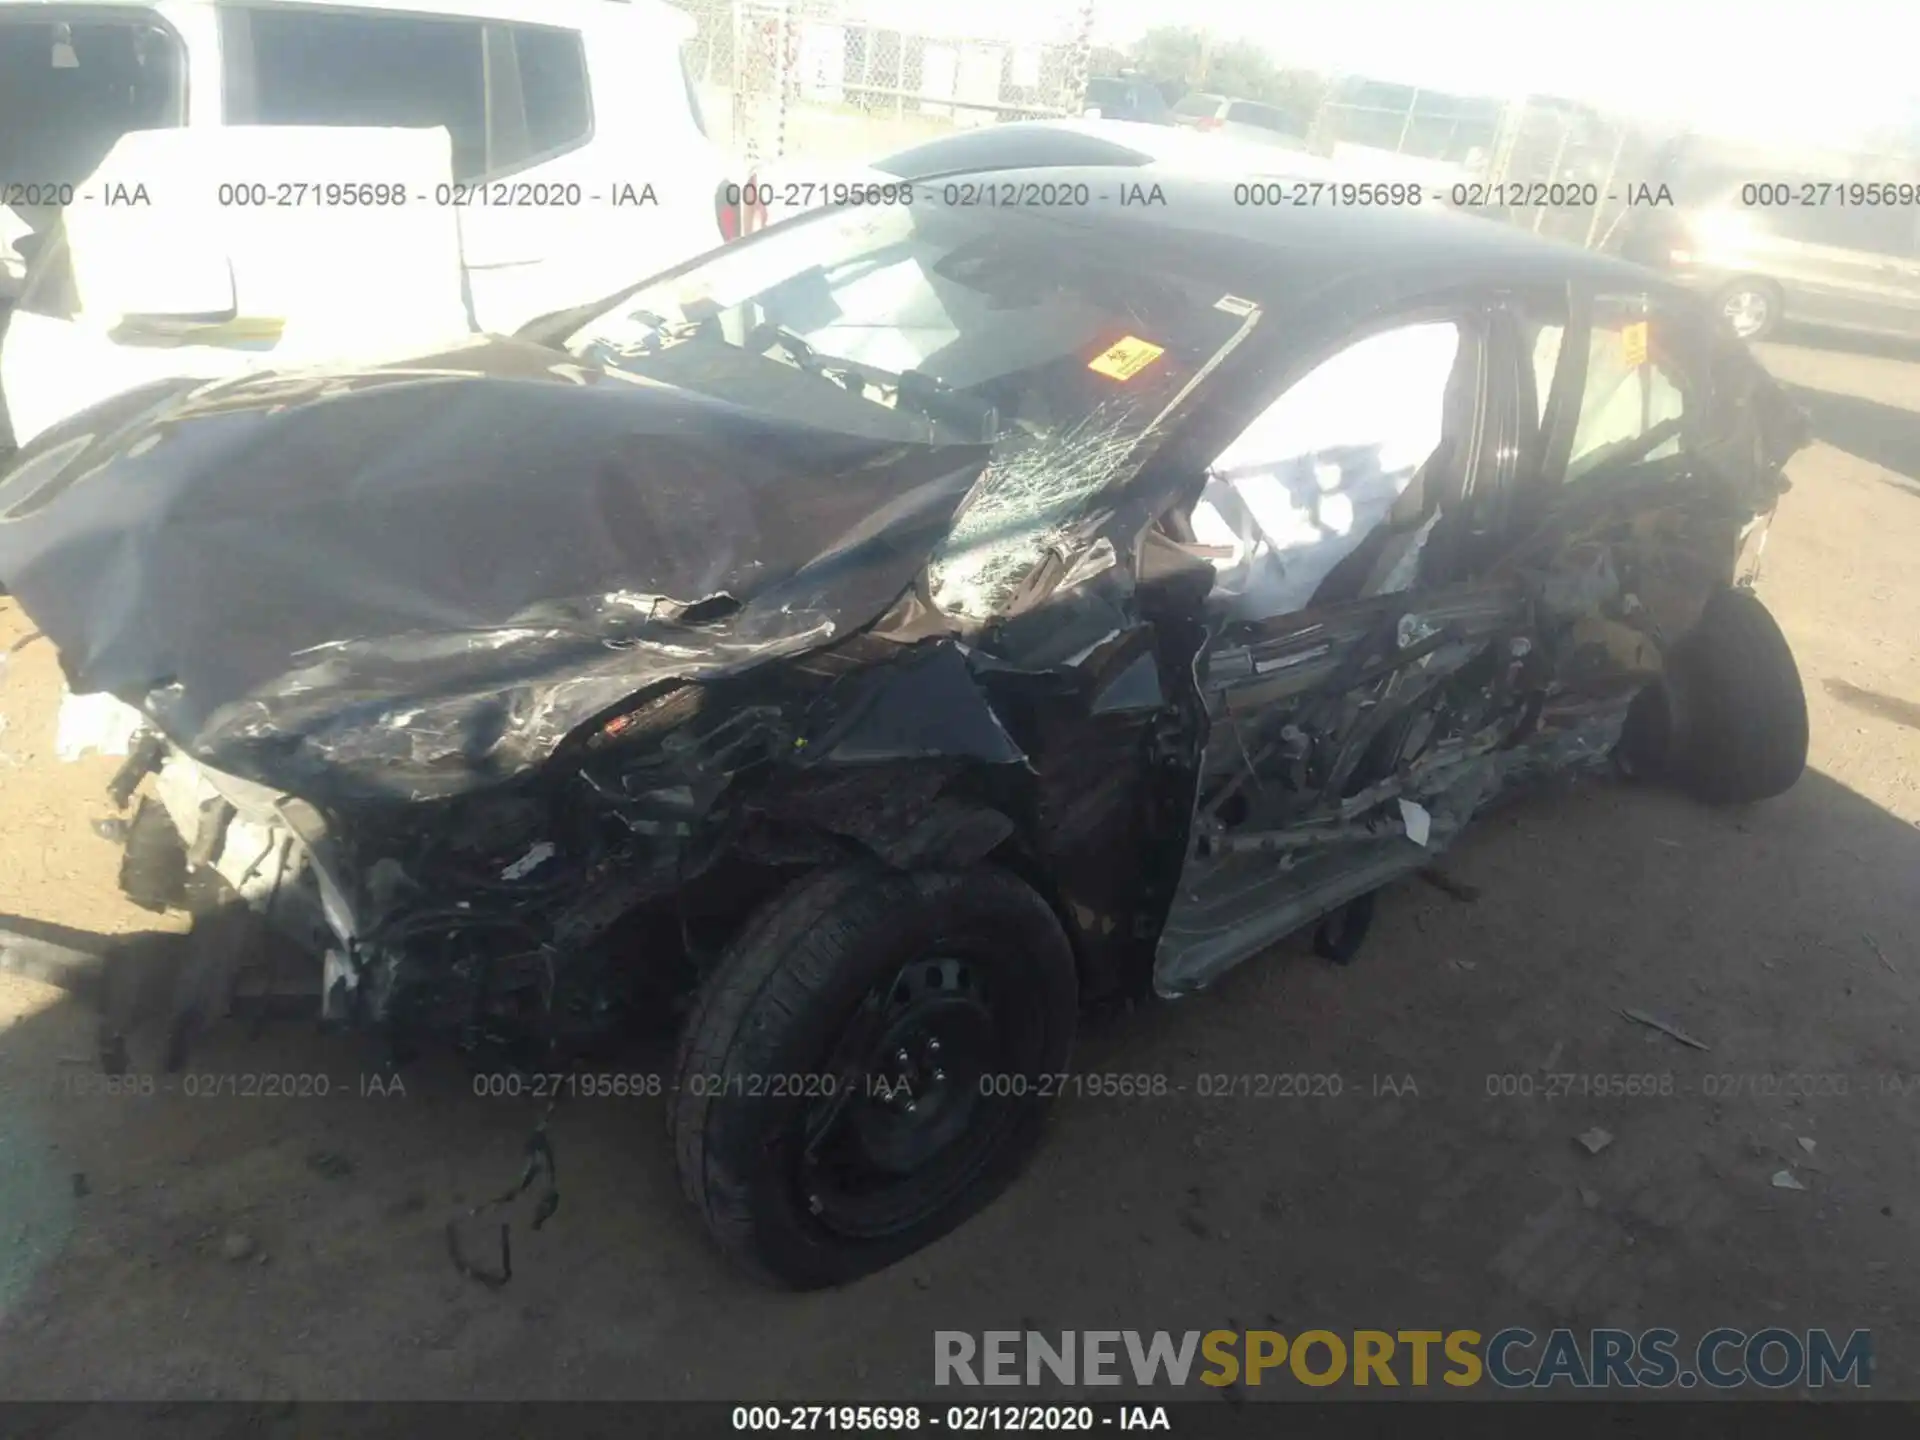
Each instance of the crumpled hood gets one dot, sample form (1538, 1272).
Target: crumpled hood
(416, 580)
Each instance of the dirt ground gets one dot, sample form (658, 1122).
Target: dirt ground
(174, 1246)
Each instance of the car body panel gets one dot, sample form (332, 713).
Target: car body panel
(580, 605)
(1389, 165)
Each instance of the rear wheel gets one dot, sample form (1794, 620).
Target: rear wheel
(1728, 721)
(1750, 308)
(866, 1066)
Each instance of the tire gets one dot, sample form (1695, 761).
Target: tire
(1728, 721)
(788, 1033)
(1750, 307)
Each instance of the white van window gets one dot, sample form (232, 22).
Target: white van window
(71, 87)
(338, 67)
(552, 67)
(507, 94)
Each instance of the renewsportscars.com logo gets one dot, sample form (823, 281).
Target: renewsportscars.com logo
(1510, 1359)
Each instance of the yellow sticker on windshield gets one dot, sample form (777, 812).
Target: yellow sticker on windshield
(1633, 342)
(1126, 358)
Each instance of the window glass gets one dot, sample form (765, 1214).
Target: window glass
(1197, 105)
(553, 88)
(1147, 99)
(68, 91)
(317, 67)
(1631, 390)
(1304, 485)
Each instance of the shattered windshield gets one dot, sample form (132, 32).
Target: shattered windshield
(1062, 346)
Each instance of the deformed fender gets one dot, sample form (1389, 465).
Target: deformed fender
(908, 760)
(955, 833)
(926, 706)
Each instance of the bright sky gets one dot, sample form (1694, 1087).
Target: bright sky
(1807, 69)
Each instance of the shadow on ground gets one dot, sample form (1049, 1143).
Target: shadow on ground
(199, 1240)
(1885, 435)
(1872, 702)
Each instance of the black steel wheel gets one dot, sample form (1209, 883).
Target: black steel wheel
(866, 1067)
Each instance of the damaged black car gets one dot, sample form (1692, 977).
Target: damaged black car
(877, 641)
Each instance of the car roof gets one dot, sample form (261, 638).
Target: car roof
(1021, 144)
(1307, 246)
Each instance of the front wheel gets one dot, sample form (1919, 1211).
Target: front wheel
(868, 1065)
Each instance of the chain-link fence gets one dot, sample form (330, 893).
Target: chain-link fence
(843, 80)
(1576, 170)
(1420, 125)
(1556, 167)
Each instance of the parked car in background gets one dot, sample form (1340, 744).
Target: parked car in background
(874, 641)
(1777, 234)
(1127, 97)
(1243, 120)
(576, 148)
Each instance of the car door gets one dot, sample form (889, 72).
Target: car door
(1354, 658)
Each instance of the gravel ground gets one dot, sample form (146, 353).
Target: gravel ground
(173, 1246)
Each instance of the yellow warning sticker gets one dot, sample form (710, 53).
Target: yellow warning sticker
(1633, 341)
(1126, 358)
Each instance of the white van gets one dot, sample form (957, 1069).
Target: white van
(577, 156)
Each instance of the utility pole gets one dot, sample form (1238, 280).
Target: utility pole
(1206, 59)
